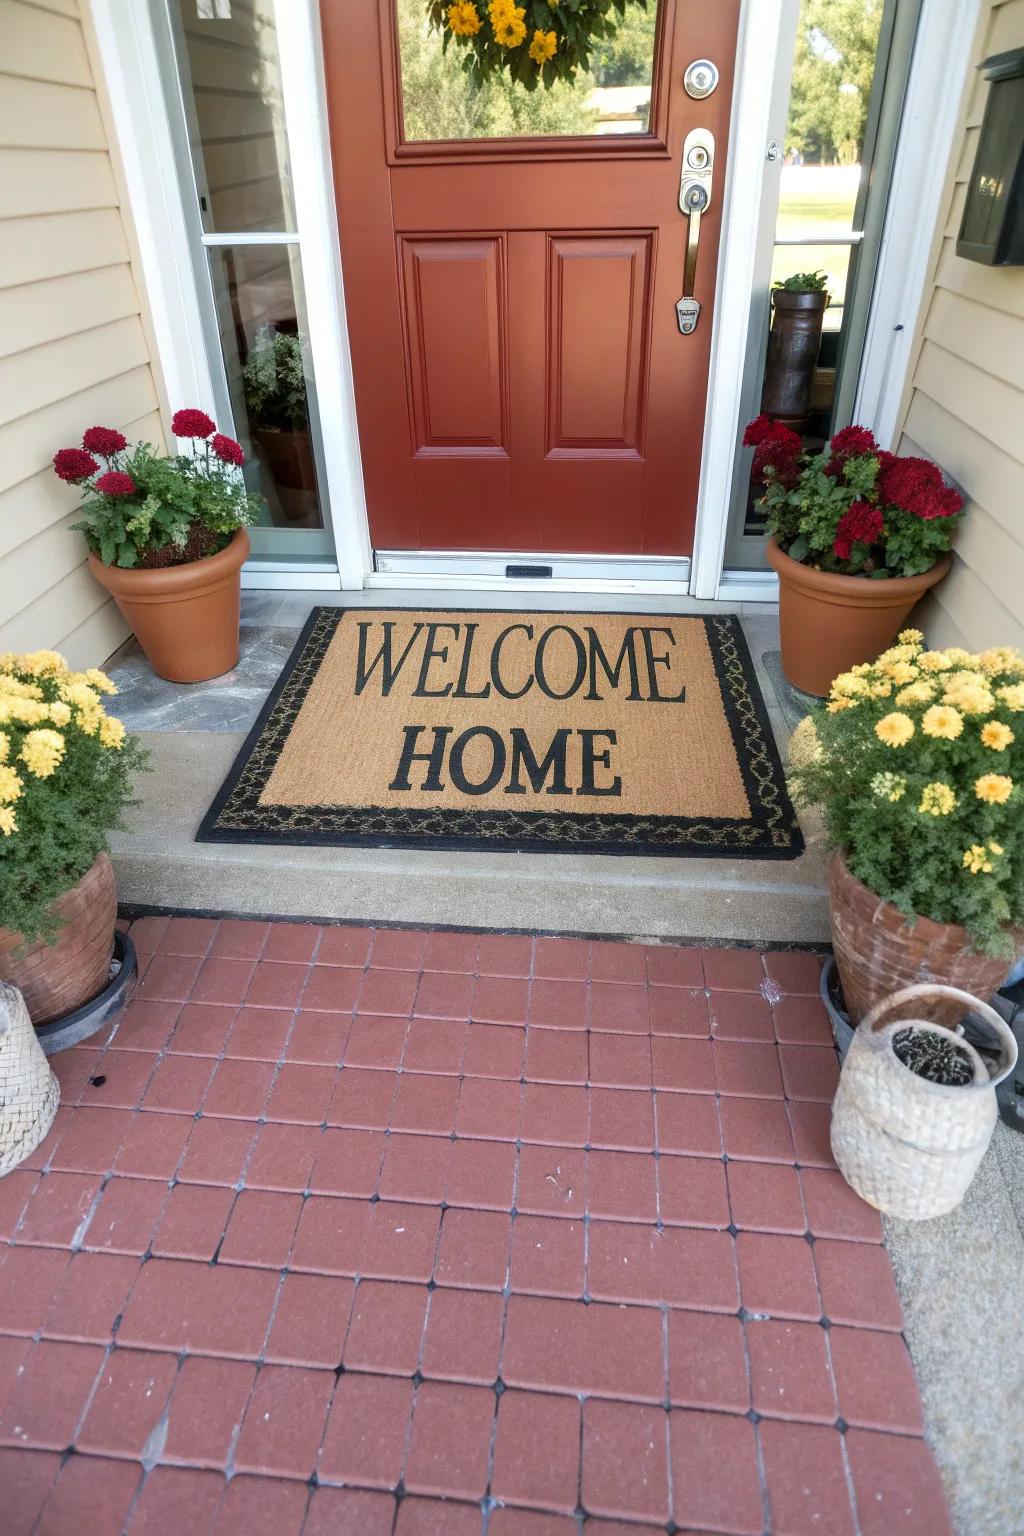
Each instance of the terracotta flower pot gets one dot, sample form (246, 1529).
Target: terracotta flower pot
(830, 623)
(878, 952)
(794, 342)
(54, 979)
(185, 617)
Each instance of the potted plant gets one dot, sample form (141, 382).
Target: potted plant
(794, 341)
(167, 539)
(66, 771)
(857, 537)
(274, 380)
(918, 767)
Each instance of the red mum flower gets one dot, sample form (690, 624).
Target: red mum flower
(189, 423)
(227, 449)
(916, 486)
(780, 449)
(850, 443)
(757, 430)
(74, 464)
(103, 440)
(861, 523)
(116, 483)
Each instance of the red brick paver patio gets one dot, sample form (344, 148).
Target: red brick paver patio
(347, 1232)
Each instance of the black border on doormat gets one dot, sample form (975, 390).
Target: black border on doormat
(772, 832)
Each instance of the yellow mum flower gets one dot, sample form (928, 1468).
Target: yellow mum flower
(880, 689)
(60, 713)
(80, 694)
(994, 788)
(914, 637)
(847, 685)
(5, 746)
(10, 785)
(971, 699)
(42, 663)
(937, 799)
(41, 752)
(1000, 658)
(889, 786)
(23, 711)
(89, 720)
(901, 672)
(99, 680)
(14, 688)
(976, 859)
(543, 46)
(836, 706)
(895, 729)
(8, 821)
(111, 731)
(996, 735)
(961, 658)
(463, 19)
(917, 693)
(935, 661)
(896, 653)
(943, 722)
(1012, 695)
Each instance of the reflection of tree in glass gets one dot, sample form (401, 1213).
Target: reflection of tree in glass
(832, 73)
(440, 102)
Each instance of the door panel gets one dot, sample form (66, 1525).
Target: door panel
(597, 328)
(520, 379)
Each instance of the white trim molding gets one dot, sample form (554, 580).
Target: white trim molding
(942, 59)
(134, 89)
(764, 49)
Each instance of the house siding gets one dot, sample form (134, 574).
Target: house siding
(964, 402)
(74, 348)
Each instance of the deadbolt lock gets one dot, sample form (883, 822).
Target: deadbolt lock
(700, 79)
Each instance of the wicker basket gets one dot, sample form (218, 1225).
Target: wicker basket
(29, 1092)
(908, 1146)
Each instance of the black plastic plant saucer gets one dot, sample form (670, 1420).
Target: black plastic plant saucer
(68, 1030)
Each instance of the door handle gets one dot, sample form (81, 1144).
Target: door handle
(694, 199)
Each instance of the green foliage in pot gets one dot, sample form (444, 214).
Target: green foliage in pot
(147, 509)
(852, 509)
(66, 770)
(803, 282)
(274, 380)
(917, 763)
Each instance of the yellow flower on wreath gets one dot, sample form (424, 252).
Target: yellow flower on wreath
(507, 22)
(895, 729)
(41, 752)
(937, 799)
(464, 19)
(994, 788)
(543, 46)
(943, 722)
(996, 735)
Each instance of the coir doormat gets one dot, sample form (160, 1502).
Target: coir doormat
(584, 732)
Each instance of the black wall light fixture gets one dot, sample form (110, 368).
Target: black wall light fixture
(992, 228)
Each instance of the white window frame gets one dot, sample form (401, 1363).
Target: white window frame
(127, 52)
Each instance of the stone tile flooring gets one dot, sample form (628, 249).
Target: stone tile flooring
(351, 1231)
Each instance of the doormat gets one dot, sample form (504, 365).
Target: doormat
(528, 732)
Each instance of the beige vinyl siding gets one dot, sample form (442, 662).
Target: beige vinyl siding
(964, 404)
(73, 346)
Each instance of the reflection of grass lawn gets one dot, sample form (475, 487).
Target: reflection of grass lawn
(810, 214)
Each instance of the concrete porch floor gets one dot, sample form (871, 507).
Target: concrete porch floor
(194, 733)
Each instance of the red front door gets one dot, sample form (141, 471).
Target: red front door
(521, 380)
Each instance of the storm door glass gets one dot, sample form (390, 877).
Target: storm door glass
(442, 99)
(250, 260)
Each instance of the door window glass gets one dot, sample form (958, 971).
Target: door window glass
(236, 115)
(441, 98)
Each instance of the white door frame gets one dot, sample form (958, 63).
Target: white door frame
(127, 54)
